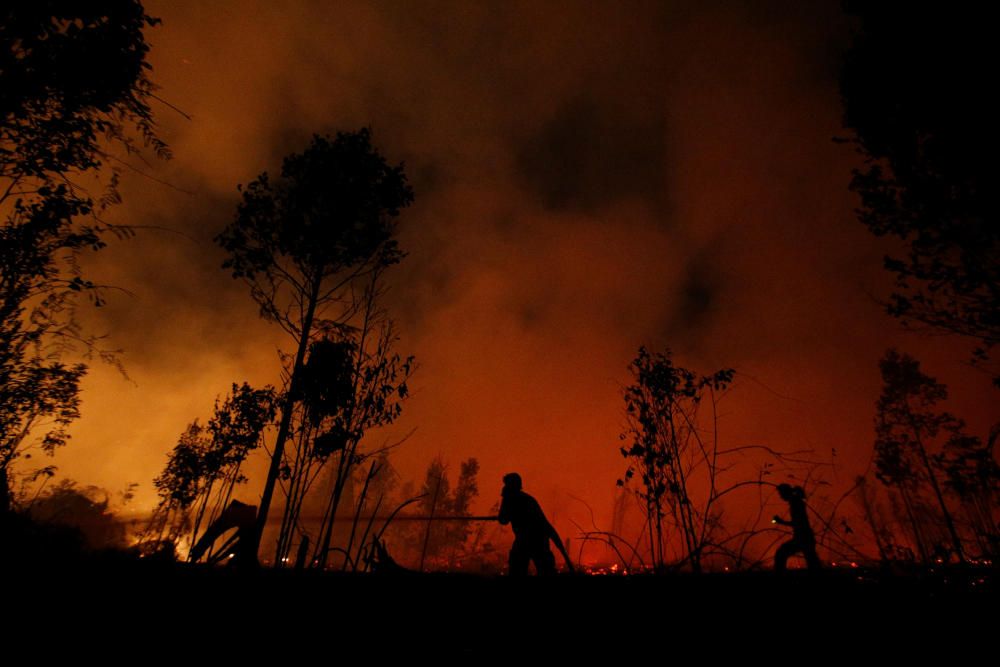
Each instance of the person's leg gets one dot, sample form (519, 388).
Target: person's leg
(545, 562)
(783, 553)
(812, 558)
(518, 561)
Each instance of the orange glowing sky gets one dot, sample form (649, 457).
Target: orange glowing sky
(589, 177)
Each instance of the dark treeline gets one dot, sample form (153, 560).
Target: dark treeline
(75, 103)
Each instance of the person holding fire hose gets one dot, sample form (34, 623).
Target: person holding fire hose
(532, 531)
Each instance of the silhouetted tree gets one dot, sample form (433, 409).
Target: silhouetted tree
(302, 242)
(317, 431)
(379, 379)
(907, 431)
(868, 500)
(434, 498)
(74, 77)
(206, 464)
(916, 93)
(440, 539)
(349, 387)
(74, 88)
(375, 496)
(661, 407)
(972, 475)
(181, 480)
(466, 491)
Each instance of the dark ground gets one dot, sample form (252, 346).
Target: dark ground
(134, 610)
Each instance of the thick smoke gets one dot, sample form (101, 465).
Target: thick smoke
(589, 177)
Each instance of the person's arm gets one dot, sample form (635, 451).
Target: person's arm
(778, 520)
(504, 515)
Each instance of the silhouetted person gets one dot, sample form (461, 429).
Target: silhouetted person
(532, 531)
(803, 541)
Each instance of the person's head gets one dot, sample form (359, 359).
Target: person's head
(788, 492)
(511, 482)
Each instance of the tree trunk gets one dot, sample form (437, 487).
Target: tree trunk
(286, 421)
(956, 541)
(427, 533)
(4, 492)
(913, 522)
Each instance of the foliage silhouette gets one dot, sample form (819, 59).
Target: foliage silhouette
(74, 88)
(661, 407)
(205, 466)
(915, 95)
(907, 426)
(972, 475)
(350, 386)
